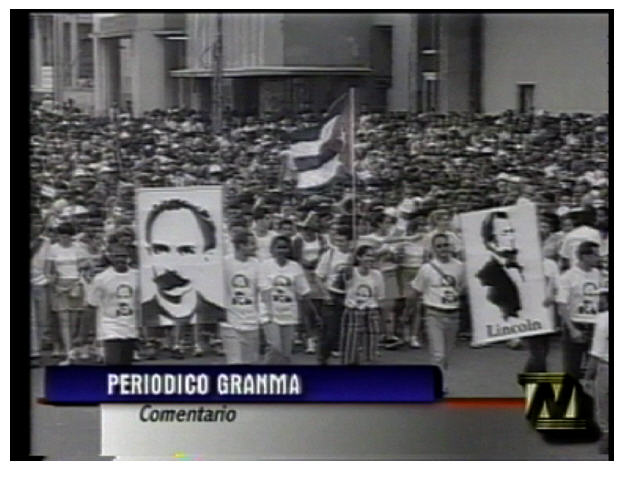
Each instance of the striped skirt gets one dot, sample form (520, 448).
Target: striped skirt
(360, 329)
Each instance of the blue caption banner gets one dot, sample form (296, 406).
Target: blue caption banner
(247, 384)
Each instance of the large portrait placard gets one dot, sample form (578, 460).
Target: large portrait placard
(180, 237)
(505, 275)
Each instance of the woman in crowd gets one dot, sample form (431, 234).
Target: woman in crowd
(66, 262)
(361, 318)
(382, 224)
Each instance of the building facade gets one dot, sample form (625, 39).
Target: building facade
(62, 57)
(134, 54)
(556, 62)
(284, 63)
(289, 62)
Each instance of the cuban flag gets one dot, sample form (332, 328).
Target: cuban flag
(320, 154)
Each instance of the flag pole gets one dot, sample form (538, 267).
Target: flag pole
(350, 143)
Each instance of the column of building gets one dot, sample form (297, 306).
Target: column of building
(37, 58)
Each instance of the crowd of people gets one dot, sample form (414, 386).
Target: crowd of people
(415, 175)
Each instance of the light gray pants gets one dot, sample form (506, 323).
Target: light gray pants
(240, 346)
(40, 317)
(441, 329)
(601, 396)
(280, 339)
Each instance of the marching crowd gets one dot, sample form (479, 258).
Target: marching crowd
(360, 285)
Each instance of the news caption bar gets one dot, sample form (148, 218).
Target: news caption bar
(246, 384)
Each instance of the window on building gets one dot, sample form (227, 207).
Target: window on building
(86, 55)
(175, 48)
(45, 26)
(67, 60)
(302, 95)
(430, 92)
(381, 44)
(526, 93)
(434, 30)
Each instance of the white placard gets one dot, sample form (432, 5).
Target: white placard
(506, 295)
(181, 253)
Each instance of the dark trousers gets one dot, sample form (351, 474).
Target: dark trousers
(538, 346)
(329, 334)
(308, 323)
(119, 351)
(574, 354)
(465, 324)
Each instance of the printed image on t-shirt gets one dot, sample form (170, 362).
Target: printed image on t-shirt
(337, 277)
(604, 279)
(280, 292)
(241, 293)
(447, 290)
(240, 281)
(363, 294)
(589, 301)
(448, 281)
(124, 294)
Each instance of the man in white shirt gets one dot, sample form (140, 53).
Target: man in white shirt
(330, 273)
(439, 285)
(571, 241)
(577, 299)
(240, 333)
(598, 371)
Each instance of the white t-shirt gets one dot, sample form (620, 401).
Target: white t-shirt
(66, 260)
(373, 240)
(413, 253)
(440, 290)
(38, 263)
(364, 292)
(604, 280)
(380, 247)
(600, 340)
(604, 247)
(310, 250)
(285, 284)
(263, 245)
(115, 294)
(241, 286)
(551, 275)
(330, 267)
(579, 290)
(574, 238)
